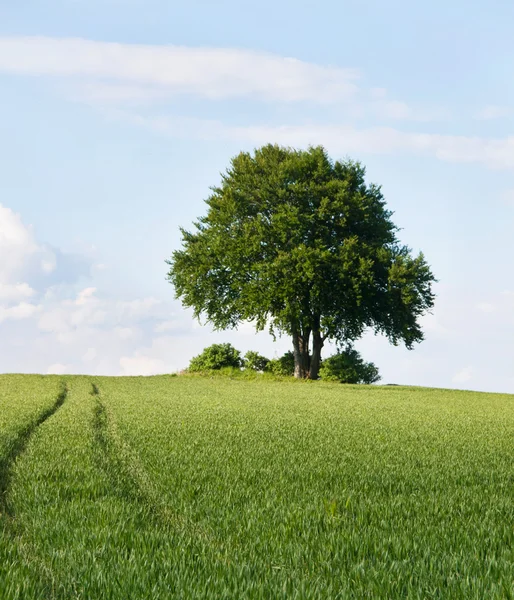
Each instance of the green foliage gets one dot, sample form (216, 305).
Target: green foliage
(283, 365)
(216, 357)
(191, 487)
(255, 361)
(347, 366)
(296, 242)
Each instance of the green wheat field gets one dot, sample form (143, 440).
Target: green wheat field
(195, 487)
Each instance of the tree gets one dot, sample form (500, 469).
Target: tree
(347, 366)
(216, 357)
(300, 244)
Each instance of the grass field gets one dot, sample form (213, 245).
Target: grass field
(191, 487)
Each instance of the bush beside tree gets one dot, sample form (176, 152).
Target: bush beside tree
(283, 366)
(215, 357)
(347, 366)
(255, 361)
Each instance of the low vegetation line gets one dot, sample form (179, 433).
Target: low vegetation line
(19, 445)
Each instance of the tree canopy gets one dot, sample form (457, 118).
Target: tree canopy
(298, 243)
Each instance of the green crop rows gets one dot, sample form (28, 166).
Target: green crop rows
(190, 487)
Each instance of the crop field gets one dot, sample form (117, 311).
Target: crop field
(194, 487)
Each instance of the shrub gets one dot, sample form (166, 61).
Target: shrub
(283, 365)
(255, 361)
(348, 366)
(216, 357)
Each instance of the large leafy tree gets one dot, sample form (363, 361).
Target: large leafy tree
(301, 244)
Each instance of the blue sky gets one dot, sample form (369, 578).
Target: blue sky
(117, 116)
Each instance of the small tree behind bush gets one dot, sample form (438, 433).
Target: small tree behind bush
(348, 366)
(283, 365)
(255, 361)
(216, 357)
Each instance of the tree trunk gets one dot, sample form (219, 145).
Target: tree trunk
(315, 362)
(301, 354)
(317, 345)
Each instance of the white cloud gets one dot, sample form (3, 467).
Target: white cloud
(431, 323)
(106, 94)
(24, 310)
(90, 355)
(13, 234)
(25, 261)
(463, 376)
(124, 333)
(139, 308)
(17, 244)
(88, 316)
(85, 296)
(142, 365)
(58, 369)
(48, 265)
(493, 112)
(12, 292)
(171, 325)
(486, 307)
(209, 72)
(63, 316)
(52, 321)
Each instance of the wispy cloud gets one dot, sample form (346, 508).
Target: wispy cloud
(214, 73)
(395, 110)
(106, 94)
(492, 111)
(110, 74)
(495, 153)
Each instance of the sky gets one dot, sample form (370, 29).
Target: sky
(116, 117)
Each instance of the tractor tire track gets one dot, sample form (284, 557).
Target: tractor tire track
(107, 457)
(18, 447)
(129, 477)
